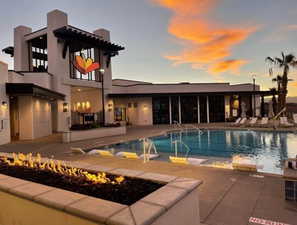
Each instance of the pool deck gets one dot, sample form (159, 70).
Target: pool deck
(227, 197)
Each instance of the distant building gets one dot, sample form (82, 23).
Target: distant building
(52, 87)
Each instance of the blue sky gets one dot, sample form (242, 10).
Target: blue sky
(142, 27)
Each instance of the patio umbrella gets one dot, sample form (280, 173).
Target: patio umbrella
(270, 109)
(243, 110)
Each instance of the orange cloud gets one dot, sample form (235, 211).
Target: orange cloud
(206, 45)
(293, 84)
(291, 27)
(232, 65)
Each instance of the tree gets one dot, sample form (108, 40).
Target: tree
(285, 63)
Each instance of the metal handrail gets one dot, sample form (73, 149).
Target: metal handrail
(147, 150)
(194, 127)
(280, 112)
(181, 142)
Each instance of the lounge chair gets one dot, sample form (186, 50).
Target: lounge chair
(295, 118)
(284, 122)
(253, 121)
(100, 152)
(243, 163)
(236, 123)
(185, 160)
(243, 121)
(77, 150)
(133, 155)
(264, 122)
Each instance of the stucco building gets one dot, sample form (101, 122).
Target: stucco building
(48, 92)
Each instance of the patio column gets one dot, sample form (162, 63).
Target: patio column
(179, 110)
(262, 106)
(207, 108)
(170, 115)
(198, 109)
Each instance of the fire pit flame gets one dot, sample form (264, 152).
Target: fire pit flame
(57, 166)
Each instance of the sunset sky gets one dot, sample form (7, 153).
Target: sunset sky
(176, 41)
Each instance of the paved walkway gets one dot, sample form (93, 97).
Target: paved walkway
(227, 197)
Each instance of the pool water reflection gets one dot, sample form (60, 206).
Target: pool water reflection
(268, 148)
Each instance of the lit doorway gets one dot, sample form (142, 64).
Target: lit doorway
(14, 119)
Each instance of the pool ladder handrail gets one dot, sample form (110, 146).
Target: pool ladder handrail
(193, 127)
(182, 143)
(147, 149)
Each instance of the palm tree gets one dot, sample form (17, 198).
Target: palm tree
(285, 62)
(278, 80)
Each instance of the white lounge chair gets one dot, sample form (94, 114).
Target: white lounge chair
(236, 123)
(242, 122)
(77, 151)
(186, 160)
(133, 155)
(284, 122)
(295, 118)
(253, 121)
(101, 152)
(264, 121)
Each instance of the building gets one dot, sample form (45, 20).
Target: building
(62, 78)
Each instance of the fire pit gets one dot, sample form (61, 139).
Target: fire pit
(123, 190)
(85, 195)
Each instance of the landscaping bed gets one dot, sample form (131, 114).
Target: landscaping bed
(126, 192)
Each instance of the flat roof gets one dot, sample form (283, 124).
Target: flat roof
(262, 93)
(29, 89)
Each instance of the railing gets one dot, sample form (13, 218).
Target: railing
(148, 146)
(187, 127)
(181, 143)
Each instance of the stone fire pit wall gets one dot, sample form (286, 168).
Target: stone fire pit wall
(26, 203)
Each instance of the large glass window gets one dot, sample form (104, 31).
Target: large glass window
(189, 112)
(38, 61)
(174, 109)
(161, 110)
(216, 108)
(86, 54)
(203, 109)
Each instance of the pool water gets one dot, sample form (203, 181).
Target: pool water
(268, 149)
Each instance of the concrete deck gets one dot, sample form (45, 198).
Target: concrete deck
(227, 197)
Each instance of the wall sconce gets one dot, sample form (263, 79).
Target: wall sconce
(144, 107)
(65, 107)
(4, 104)
(109, 107)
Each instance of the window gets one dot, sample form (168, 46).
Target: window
(38, 61)
(161, 110)
(85, 53)
(120, 114)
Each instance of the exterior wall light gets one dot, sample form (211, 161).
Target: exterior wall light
(109, 107)
(145, 107)
(4, 104)
(65, 107)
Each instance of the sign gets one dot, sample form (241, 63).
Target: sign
(265, 222)
(84, 65)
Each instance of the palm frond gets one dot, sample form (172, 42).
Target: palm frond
(269, 59)
(289, 58)
(283, 55)
(279, 61)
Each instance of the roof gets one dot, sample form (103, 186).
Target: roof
(73, 34)
(126, 82)
(28, 89)
(249, 93)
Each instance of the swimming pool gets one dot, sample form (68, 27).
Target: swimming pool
(267, 148)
